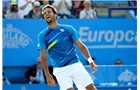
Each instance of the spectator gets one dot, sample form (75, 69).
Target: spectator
(14, 12)
(5, 80)
(64, 8)
(35, 12)
(78, 7)
(36, 73)
(45, 2)
(87, 12)
(25, 6)
(5, 7)
(118, 62)
(95, 13)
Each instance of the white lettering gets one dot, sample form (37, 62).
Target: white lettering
(100, 35)
(15, 37)
(82, 29)
(136, 37)
(111, 36)
(10, 45)
(127, 34)
(10, 36)
(117, 39)
(5, 36)
(21, 38)
(25, 42)
(94, 36)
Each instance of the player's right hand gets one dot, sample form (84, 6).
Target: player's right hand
(50, 80)
(93, 67)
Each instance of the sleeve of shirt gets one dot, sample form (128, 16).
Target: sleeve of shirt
(41, 42)
(73, 33)
(69, 2)
(20, 3)
(56, 2)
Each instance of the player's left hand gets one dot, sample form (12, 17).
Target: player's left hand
(93, 67)
(50, 80)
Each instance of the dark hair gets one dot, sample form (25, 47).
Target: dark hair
(49, 6)
(14, 8)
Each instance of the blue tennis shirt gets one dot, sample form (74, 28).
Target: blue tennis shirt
(59, 42)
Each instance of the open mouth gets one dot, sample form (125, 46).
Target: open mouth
(48, 17)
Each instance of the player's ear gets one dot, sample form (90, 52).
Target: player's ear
(55, 15)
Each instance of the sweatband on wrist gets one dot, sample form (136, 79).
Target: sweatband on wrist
(90, 60)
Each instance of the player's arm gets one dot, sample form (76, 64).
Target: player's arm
(68, 4)
(75, 37)
(84, 50)
(58, 4)
(42, 48)
(86, 54)
(44, 61)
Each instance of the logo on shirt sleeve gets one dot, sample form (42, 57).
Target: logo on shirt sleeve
(38, 45)
(62, 30)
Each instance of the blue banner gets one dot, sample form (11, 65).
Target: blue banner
(112, 75)
(106, 39)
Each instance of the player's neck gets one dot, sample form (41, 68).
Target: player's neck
(53, 24)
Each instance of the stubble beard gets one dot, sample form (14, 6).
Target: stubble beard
(51, 21)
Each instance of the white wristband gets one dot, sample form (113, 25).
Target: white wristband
(90, 60)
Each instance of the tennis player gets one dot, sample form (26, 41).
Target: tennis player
(59, 41)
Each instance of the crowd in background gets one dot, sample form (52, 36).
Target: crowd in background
(32, 8)
(66, 8)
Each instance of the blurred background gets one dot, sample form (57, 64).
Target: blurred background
(107, 27)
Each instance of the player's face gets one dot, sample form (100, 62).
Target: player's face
(49, 15)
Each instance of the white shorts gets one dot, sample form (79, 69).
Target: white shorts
(75, 72)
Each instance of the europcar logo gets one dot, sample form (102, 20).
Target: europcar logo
(13, 38)
(127, 76)
(109, 38)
